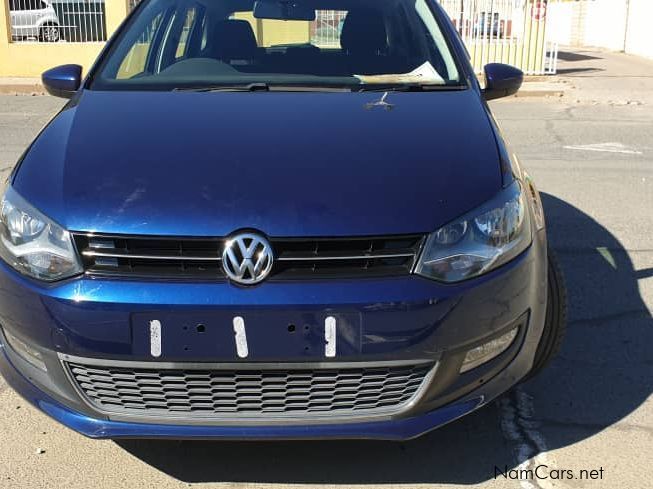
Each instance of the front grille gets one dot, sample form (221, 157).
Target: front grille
(293, 258)
(248, 392)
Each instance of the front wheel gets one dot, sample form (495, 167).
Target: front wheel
(50, 33)
(555, 324)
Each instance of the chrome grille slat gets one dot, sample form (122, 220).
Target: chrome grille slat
(284, 257)
(370, 256)
(102, 254)
(294, 258)
(226, 394)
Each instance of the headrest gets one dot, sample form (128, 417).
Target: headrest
(234, 39)
(363, 32)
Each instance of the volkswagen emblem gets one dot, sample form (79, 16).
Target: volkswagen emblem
(247, 258)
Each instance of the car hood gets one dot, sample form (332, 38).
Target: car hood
(286, 164)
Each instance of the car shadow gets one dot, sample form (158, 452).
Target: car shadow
(574, 56)
(573, 71)
(601, 375)
(575, 63)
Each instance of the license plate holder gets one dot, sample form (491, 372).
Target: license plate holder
(270, 335)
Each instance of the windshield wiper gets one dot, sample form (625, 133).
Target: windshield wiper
(249, 87)
(405, 87)
(304, 87)
(265, 87)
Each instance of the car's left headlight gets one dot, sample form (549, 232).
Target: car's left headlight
(480, 241)
(33, 244)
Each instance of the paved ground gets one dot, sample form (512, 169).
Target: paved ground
(591, 153)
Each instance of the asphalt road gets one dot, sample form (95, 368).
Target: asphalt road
(591, 153)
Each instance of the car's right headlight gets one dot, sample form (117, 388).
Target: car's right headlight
(480, 241)
(32, 243)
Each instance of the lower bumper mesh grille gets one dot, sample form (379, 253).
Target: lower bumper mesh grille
(248, 393)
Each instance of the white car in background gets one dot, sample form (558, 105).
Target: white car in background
(34, 19)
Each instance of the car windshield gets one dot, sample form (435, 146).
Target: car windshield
(268, 44)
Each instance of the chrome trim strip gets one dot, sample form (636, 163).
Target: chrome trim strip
(351, 257)
(418, 254)
(240, 365)
(364, 415)
(102, 254)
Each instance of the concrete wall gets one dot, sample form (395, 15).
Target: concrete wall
(599, 23)
(30, 59)
(639, 37)
(562, 22)
(617, 25)
(605, 24)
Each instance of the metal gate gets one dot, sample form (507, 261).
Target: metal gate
(516, 32)
(325, 31)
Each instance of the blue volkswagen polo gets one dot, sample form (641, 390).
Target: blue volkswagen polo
(273, 219)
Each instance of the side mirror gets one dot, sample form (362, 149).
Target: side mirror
(501, 80)
(62, 81)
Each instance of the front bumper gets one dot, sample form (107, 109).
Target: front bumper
(94, 427)
(399, 319)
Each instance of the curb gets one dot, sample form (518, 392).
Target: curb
(543, 86)
(538, 86)
(22, 89)
(539, 93)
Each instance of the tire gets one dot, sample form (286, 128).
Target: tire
(555, 324)
(49, 33)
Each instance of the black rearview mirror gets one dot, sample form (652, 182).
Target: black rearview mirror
(283, 10)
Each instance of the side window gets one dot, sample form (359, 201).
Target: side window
(205, 35)
(135, 61)
(184, 37)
